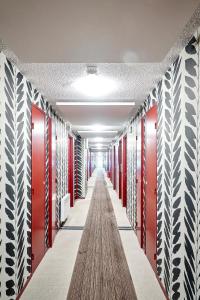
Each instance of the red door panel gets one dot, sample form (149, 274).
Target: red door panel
(151, 184)
(71, 169)
(114, 167)
(38, 186)
(124, 175)
(87, 163)
(52, 181)
(139, 149)
(90, 163)
(111, 164)
(120, 168)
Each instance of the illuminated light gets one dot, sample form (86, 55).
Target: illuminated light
(99, 160)
(92, 103)
(98, 139)
(99, 145)
(98, 128)
(94, 85)
(99, 131)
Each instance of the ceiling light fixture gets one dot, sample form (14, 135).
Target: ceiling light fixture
(99, 145)
(94, 85)
(98, 139)
(98, 127)
(92, 103)
(99, 131)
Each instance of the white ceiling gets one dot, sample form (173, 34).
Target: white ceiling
(89, 115)
(130, 41)
(97, 31)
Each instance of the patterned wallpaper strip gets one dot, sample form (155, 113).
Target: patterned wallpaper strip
(16, 97)
(178, 173)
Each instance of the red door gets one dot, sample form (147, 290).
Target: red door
(52, 182)
(38, 186)
(120, 168)
(111, 164)
(139, 188)
(124, 177)
(71, 169)
(87, 164)
(114, 167)
(90, 163)
(151, 184)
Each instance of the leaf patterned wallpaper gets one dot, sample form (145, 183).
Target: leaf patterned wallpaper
(80, 160)
(16, 97)
(178, 174)
(131, 178)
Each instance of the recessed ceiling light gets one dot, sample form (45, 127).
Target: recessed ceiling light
(92, 103)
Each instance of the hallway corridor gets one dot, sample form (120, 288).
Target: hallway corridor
(75, 269)
(100, 150)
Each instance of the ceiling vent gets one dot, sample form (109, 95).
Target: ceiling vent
(91, 70)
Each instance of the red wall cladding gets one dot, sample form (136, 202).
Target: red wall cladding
(120, 168)
(38, 186)
(139, 180)
(124, 169)
(114, 167)
(151, 185)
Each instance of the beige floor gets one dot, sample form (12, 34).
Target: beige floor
(52, 278)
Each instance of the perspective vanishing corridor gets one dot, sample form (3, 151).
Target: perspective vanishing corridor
(58, 270)
(100, 150)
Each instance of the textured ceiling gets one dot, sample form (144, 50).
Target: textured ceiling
(134, 81)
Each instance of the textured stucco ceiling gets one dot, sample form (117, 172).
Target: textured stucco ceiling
(133, 81)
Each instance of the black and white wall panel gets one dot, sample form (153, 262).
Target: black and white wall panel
(16, 98)
(178, 174)
(131, 171)
(178, 181)
(80, 157)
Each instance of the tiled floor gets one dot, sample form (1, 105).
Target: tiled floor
(52, 278)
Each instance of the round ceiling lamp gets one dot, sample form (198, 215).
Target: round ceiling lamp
(93, 84)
